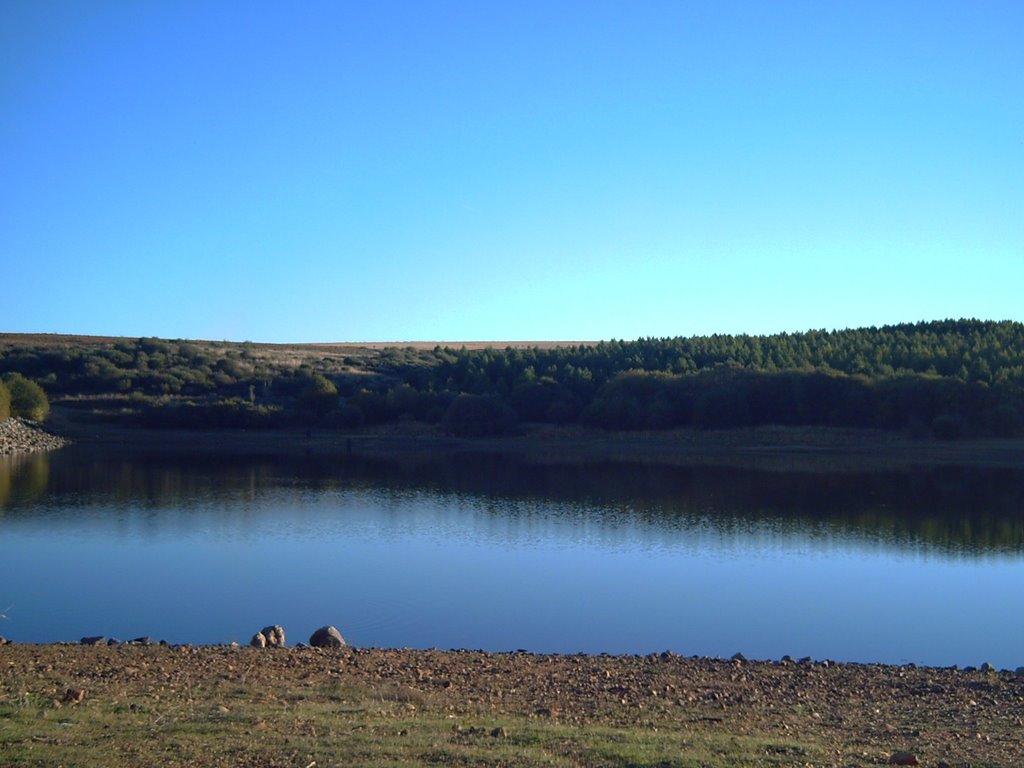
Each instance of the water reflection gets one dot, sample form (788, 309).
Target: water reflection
(947, 510)
(23, 477)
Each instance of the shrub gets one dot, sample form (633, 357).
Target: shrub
(319, 397)
(28, 400)
(478, 415)
(948, 427)
(5, 402)
(1004, 421)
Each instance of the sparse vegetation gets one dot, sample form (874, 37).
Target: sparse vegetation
(106, 707)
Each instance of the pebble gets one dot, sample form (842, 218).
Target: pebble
(74, 695)
(904, 758)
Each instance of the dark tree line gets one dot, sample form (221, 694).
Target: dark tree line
(948, 378)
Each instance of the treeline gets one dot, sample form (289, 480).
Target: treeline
(949, 378)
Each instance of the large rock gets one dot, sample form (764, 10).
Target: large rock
(327, 637)
(273, 637)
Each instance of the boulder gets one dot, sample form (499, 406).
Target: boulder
(327, 637)
(94, 640)
(274, 636)
(259, 640)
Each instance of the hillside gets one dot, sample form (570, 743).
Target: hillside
(946, 378)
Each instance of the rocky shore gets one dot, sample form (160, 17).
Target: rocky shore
(24, 436)
(470, 707)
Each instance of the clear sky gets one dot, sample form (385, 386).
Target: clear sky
(435, 170)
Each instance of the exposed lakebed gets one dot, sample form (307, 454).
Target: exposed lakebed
(478, 551)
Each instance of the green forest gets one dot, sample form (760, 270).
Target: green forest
(948, 379)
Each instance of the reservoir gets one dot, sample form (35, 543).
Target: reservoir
(498, 553)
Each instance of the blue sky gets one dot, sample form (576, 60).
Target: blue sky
(398, 171)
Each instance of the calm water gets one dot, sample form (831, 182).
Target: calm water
(488, 552)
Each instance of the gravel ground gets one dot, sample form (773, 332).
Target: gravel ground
(24, 436)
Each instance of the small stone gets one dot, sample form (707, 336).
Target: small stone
(93, 640)
(144, 640)
(259, 640)
(4, 640)
(904, 758)
(986, 667)
(499, 733)
(74, 695)
(739, 657)
(274, 636)
(327, 637)
(113, 641)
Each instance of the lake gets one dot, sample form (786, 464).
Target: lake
(497, 553)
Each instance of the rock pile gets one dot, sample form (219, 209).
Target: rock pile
(269, 637)
(273, 637)
(23, 436)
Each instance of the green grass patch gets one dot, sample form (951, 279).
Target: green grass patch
(321, 727)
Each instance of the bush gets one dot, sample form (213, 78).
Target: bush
(318, 398)
(948, 427)
(5, 402)
(28, 400)
(1002, 421)
(478, 415)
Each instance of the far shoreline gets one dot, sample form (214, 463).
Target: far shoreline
(770, 448)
